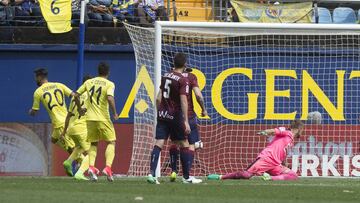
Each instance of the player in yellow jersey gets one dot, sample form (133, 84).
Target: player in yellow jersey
(76, 129)
(99, 125)
(52, 95)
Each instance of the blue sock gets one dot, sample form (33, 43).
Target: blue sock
(186, 157)
(154, 159)
(75, 167)
(174, 154)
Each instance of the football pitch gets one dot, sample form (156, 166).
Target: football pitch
(57, 189)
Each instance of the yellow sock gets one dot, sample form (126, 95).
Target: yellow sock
(75, 154)
(92, 155)
(110, 154)
(84, 164)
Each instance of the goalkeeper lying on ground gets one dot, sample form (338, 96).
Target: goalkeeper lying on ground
(268, 163)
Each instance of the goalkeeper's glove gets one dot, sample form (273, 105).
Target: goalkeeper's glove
(262, 133)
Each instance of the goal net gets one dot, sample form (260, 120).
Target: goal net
(253, 77)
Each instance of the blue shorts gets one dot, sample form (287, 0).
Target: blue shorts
(175, 130)
(194, 135)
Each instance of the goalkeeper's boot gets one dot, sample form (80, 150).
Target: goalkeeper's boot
(214, 177)
(192, 180)
(68, 167)
(109, 174)
(93, 172)
(266, 177)
(153, 180)
(173, 176)
(80, 176)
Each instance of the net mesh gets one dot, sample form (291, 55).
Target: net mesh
(242, 72)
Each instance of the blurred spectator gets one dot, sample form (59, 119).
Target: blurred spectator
(148, 11)
(27, 12)
(3, 11)
(75, 10)
(124, 10)
(100, 14)
(232, 15)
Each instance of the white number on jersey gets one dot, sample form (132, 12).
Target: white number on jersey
(166, 93)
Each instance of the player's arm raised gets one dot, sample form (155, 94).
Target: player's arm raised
(267, 132)
(201, 101)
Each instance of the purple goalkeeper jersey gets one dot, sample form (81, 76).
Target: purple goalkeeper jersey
(173, 84)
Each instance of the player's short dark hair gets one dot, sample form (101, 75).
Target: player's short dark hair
(86, 77)
(296, 124)
(180, 60)
(103, 68)
(41, 72)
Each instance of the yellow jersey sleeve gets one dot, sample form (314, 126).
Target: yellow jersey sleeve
(36, 102)
(82, 89)
(67, 91)
(111, 89)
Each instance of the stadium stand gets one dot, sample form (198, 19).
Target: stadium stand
(344, 15)
(324, 16)
(20, 28)
(191, 10)
(110, 13)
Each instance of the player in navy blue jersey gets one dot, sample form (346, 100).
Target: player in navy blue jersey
(172, 118)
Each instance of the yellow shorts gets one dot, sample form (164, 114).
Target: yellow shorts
(80, 138)
(100, 130)
(68, 142)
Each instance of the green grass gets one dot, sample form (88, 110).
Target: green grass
(67, 190)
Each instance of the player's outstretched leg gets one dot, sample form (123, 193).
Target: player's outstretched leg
(109, 156)
(153, 165)
(174, 154)
(289, 175)
(93, 172)
(235, 175)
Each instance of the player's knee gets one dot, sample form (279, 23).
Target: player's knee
(192, 147)
(292, 173)
(111, 142)
(184, 143)
(160, 143)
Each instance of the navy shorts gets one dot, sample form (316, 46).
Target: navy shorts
(194, 135)
(175, 130)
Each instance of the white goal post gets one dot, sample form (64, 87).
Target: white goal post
(255, 76)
